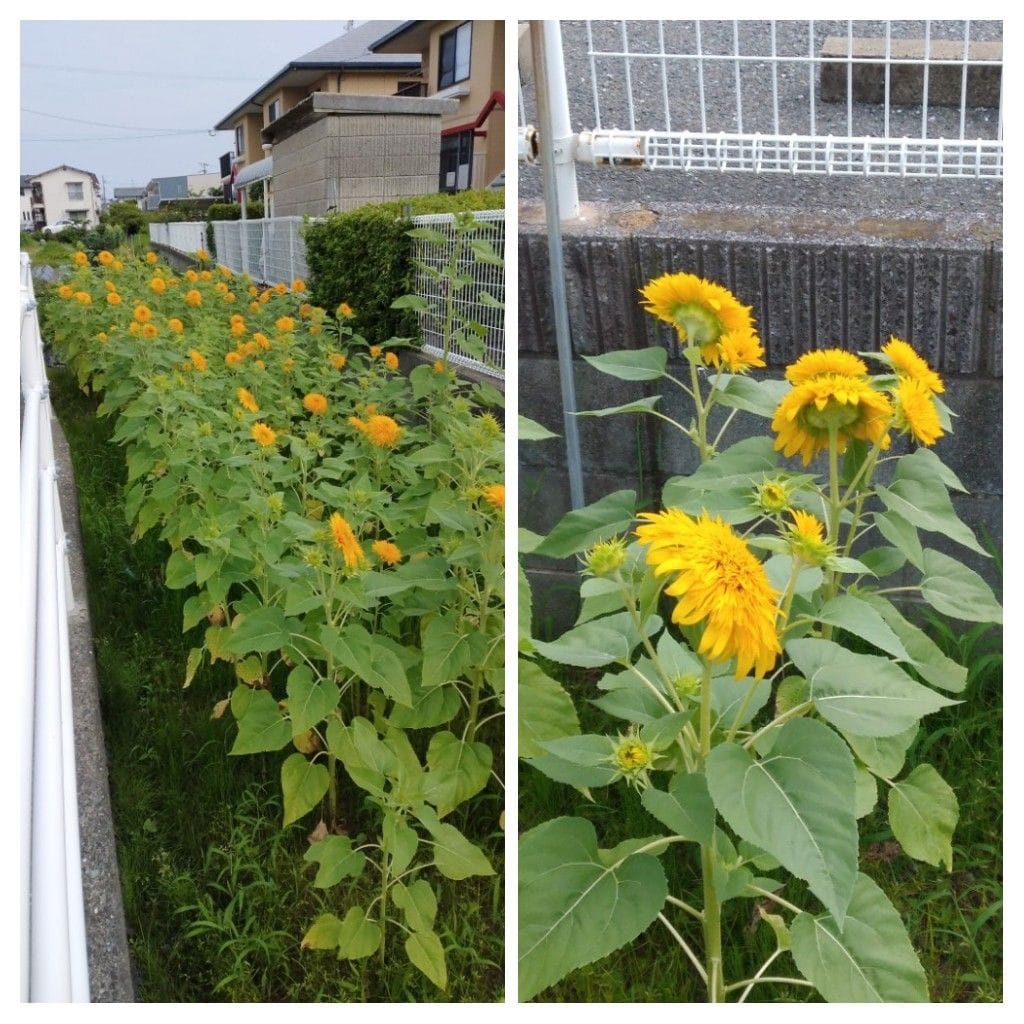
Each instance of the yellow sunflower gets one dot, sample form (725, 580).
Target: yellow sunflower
(247, 400)
(701, 312)
(382, 431)
(807, 538)
(263, 435)
(803, 417)
(824, 361)
(387, 552)
(494, 495)
(315, 403)
(916, 412)
(908, 364)
(345, 541)
(718, 581)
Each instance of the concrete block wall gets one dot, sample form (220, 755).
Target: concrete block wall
(813, 281)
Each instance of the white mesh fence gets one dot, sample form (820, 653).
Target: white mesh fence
(908, 98)
(268, 251)
(470, 302)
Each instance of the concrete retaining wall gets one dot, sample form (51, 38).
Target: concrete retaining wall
(814, 280)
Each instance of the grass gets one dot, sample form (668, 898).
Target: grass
(954, 920)
(216, 895)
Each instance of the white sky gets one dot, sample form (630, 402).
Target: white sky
(150, 77)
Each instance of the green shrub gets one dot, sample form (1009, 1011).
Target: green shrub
(362, 257)
(106, 236)
(125, 215)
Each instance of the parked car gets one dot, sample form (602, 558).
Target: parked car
(60, 225)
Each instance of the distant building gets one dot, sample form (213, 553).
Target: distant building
(64, 193)
(133, 195)
(182, 186)
(26, 203)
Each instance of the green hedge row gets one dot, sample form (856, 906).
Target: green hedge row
(362, 257)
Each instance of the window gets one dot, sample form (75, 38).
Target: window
(75, 191)
(239, 141)
(411, 89)
(454, 55)
(273, 111)
(456, 162)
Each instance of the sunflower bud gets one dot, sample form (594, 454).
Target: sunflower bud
(606, 558)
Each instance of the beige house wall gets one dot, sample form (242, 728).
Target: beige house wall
(55, 196)
(251, 124)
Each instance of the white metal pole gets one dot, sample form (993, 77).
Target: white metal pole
(552, 94)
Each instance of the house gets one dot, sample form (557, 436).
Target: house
(131, 195)
(182, 186)
(26, 203)
(344, 65)
(463, 60)
(65, 193)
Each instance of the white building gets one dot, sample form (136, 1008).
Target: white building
(65, 193)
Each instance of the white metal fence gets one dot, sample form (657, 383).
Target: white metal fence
(487, 279)
(274, 250)
(54, 961)
(905, 98)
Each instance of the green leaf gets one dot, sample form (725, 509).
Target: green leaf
(588, 750)
(303, 784)
(884, 561)
(369, 659)
(418, 902)
(796, 804)
(861, 693)
(924, 465)
(447, 652)
(929, 660)
(686, 808)
(953, 589)
(195, 659)
(662, 731)
(309, 700)
(923, 812)
(884, 755)
(425, 952)
(458, 770)
(573, 774)
(868, 960)
(926, 504)
(180, 570)
(760, 397)
(867, 792)
(415, 302)
(638, 405)
(531, 430)
(728, 695)
(337, 860)
(323, 933)
(358, 937)
(578, 530)
(902, 535)
(597, 643)
(431, 235)
(436, 706)
(262, 727)
(265, 629)
(633, 364)
(858, 617)
(546, 711)
(399, 840)
(573, 909)
(454, 855)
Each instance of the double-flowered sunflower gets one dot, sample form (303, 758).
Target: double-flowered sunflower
(916, 386)
(709, 316)
(718, 581)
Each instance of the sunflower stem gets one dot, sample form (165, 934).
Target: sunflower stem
(712, 906)
(705, 450)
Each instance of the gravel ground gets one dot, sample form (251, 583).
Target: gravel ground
(650, 111)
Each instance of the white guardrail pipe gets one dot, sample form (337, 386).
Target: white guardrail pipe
(54, 959)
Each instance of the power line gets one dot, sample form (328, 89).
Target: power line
(140, 74)
(104, 124)
(121, 138)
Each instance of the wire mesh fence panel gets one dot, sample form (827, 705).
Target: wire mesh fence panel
(930, 91)
(481, 300)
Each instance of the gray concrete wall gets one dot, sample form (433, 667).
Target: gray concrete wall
(814, 280)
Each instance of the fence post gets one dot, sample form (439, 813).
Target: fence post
(553, 111)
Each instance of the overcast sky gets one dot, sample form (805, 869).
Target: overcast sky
(105, 96)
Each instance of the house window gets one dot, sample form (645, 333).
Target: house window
(75, 191)
(411, 89)
(239, 141)
(273, 111)
(454, 53)
(456, 162)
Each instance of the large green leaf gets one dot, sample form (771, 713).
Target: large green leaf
(728, 696)
(923, 812)
(861, 693)
(358, 936)
(953, 589)
(455, 856)
(925, 503)
(867, 960)
(425, 952)
(574, 909)
(884, 755)
(858, 617)
(760, 397)
(929, 660)
(686, 808)
(531, 430)
(546, 711)
(902, 535)
(263, 630)
(418, 902)
(632, 364)
(447, 651)
(370, 659)
(580, 529)
(924, 465)
(597, 643)
(639, 405)
(261, 727)
(337, 860)
(796, 804)
(458, 770)
(309, 700)
(303, 784)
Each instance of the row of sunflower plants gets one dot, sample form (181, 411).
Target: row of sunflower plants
(341, 528)
(765, 685)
